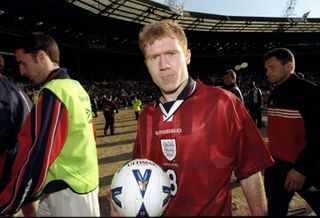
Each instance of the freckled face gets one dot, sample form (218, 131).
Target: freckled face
(167, 65)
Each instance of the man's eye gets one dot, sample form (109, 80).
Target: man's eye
(153, 58)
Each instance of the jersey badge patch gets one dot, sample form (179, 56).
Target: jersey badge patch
(169, 148)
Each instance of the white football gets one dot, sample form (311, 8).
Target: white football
(140, 188)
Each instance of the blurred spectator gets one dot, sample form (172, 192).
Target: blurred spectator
(230, 83)
(109, 109)
(136, 104)
(255, 104)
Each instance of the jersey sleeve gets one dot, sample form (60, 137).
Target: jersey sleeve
(252, 152)
(40, 141)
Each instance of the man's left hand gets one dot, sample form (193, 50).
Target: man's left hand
(294, 180)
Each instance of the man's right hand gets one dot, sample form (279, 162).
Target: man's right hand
(30, 209)
(113, 210)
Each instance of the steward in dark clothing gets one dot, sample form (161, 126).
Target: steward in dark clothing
(299, 146)
(293, 132)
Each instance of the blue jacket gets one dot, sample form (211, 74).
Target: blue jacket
(15, 105)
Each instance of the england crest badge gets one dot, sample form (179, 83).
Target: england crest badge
(169, 148)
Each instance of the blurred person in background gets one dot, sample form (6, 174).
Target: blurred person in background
(230, 83)
(136, 105)
(109, 109)
(255, 104)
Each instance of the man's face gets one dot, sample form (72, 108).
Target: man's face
(276, 71)
(30, 66)
(227, 79)
(167, 64)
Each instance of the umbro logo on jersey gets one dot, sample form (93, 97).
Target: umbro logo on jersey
(168, 131)
(169, 148)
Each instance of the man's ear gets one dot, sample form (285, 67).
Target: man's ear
(289, 66)
(42, 56)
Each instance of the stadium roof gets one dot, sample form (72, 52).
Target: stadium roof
(108, 29)
(146, 11)
(114, 25)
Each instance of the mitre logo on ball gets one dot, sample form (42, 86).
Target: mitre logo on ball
(140, 188)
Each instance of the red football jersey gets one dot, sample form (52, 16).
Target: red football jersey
(199, 142)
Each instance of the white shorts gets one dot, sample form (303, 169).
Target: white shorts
(68, 203)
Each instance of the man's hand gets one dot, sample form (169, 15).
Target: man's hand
(294, 180)
(113, 210)
(30, 209)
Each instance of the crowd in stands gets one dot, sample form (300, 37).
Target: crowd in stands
(124, 90)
